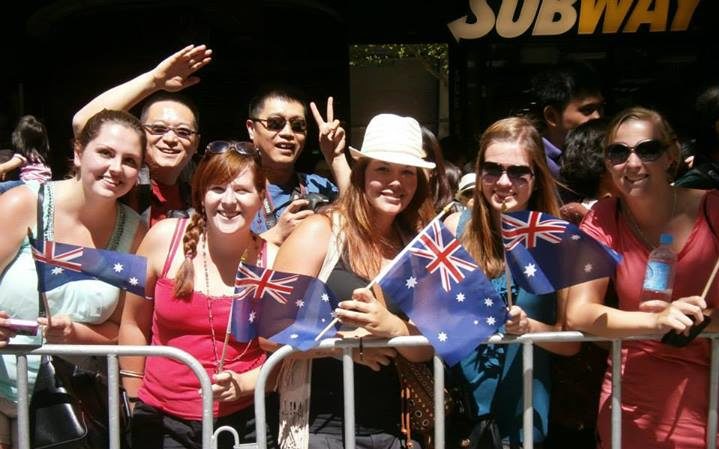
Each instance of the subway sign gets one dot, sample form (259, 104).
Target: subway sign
(514, 18)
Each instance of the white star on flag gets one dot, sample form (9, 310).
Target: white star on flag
(529, 270)
(118, 267)
(57, 270)
(476, 322)
(251, 319)
(325, 297)
(575, 237)
(460, 297)
(411, 282)
(442, 337)
(294, 336)
(491, 320)
(299, 303)
(323, 320)
(133, 281)
(488, 302)
(588, 268)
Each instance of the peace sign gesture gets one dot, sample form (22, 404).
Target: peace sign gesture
(175, 72)
(332, 135)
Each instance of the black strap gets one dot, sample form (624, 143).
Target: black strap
(43, 310)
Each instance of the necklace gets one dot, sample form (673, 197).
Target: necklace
(210, 318)
(635, 227)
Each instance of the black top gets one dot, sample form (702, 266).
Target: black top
(377, 394)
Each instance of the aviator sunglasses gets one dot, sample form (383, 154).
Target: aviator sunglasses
(160, 130)
(223, 146)
(491, 172)
(277, 123)
(647, 150)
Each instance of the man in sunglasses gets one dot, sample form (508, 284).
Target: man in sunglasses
(566, 96)
(171, 123)
(277, 125)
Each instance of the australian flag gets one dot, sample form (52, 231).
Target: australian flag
(545, 253)
(283, 307)
(60, 263)
(445, 294)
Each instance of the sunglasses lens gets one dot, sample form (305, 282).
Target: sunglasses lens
(298, 125)
(650, 150)
(490, 170)
(276, 123)
(618, 153)
(519, 172)
(218, 146)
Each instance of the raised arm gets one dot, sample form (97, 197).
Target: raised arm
(332, 144)
(172, 74)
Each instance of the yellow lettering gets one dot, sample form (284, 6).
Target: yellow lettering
(460, 29)
(506, 27)
(656, 18)
(591, 11)
(545, 25)
(684, 14)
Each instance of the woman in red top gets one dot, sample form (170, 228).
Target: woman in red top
(664, 389)
(192, 292)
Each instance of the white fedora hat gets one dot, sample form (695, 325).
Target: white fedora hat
(467, 182)
(393, 139)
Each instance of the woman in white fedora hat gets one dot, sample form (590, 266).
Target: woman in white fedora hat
(386, 203)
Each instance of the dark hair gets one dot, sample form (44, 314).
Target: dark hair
(707, 108)
(558, 85)
(453, 174)
(213, 169)
(93, 126)
(438, 183)
(286, 93)
(29, 139)
(174, 97)
(582, 164)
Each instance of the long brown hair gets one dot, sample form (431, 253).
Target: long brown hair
(213, 169)
(362, 249)
(482, 236)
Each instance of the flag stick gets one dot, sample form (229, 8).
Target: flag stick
(392, 263)
(710, 281)
(221, 363)
(43, 306)
(507, 271)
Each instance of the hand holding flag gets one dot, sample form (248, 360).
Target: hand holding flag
(545, 253)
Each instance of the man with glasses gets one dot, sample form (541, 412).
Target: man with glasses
(277, 125)
(171, 123)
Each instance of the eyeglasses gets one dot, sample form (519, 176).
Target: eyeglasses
(277, 123)
(223, 146)
(160, 130)
(647, 150)
(518, 174)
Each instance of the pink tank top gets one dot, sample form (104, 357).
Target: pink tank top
(170, 385)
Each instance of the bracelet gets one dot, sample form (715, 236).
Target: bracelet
(133, 374)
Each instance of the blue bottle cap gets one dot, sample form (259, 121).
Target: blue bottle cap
(665, 239)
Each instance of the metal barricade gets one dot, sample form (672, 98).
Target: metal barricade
(527, 341)
(111, 352)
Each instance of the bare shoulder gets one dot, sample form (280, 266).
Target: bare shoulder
(156, 242)
(452, 222)
(21, 204)
(305, 249)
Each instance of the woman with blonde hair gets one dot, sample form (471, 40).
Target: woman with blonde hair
(512, 175)
(192, 266)
(668, 410)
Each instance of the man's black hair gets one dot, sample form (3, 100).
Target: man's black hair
(582, 164)
(559, 85)
(286, 93)
(170, 96)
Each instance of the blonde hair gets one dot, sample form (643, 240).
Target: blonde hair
(482, 236)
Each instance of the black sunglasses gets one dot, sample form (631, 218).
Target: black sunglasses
(647, 150)
(277, 123)
(161, 130)
(491, 172)
(223, 146)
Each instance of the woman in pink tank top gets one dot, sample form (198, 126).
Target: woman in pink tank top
(191, 272)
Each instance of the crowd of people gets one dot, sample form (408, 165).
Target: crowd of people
(135, 187)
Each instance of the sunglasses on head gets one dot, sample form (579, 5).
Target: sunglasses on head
(277, 123)
(491, 172)
(647, 150)
(223, 146)
(160, 130)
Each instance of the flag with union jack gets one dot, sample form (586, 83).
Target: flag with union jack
(545, 253)
(282, 307)
(59, 263)
(443, 291)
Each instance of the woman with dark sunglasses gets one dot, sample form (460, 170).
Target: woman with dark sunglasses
(512, 175)
(664, 389)
(192, 266)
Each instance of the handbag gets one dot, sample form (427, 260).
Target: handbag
(55, 418)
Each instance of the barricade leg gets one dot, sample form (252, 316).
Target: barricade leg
(527, 379)
(23, 415)
(713, 392)
(113, 400)
(348, 377)
(616, 394)
(438, 403)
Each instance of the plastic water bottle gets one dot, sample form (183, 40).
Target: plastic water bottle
(659, 276)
